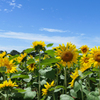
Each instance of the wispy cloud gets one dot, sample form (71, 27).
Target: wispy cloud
(2, 30)
(42, 8)
(77, 40)
(12, 4)
(53, 30)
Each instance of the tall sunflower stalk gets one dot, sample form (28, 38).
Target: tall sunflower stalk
(65, 79)
(39, 45)
(39, 78)
(68, 55)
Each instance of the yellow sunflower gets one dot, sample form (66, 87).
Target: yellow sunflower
(74, 76)
(85, 64)
(47, 86)
(85, 61)
(31, 67)
(84, 49)
(95, 56)
(11, 68)
(68, 54)
(9, 84)
(21, 57)
(36, 43)
(2, 54)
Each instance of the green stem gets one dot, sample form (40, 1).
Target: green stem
(6, 91)
(39, 79)
(53, 96)
(81, 92)
(65, 80)
(99, 80)
(57, 76)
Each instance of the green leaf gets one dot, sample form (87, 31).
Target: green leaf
(73, 93)
(29, 94)
(19, 76)
(80, 73)
(29, 79)
(95, 69)
(43, 71)
(62, 77)
(50, 74)
(3, 69)
(85, 74)
(29, 50)
(93, 79)
(30, 61)
(92, 97)
(49, 45)
(50, 52)
(65, 97)
(49, 61)
(20, 90)
(77, 86)
(57, 90)
(43, 82)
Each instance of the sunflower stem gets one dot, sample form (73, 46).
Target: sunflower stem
(65, 80)
(6, 92)
(99, 80)
(57, 76)
(53, 96)
(39, 78)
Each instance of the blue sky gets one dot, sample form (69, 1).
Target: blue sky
(52, 21)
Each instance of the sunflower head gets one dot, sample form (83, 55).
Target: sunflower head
(38, 45)
(67, 56)
(47, 86)
(97, 56)
(84, 49)
(31, 67)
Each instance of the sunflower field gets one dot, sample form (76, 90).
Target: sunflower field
(61, 73)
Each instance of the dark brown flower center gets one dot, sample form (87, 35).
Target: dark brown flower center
(32, 65)
(97, 57)
(86, 60)
(67, 56)
(84, 50)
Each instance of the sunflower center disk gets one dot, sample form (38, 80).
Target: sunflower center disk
(84, 50)
(86, 60)
(67, 56)
(97, 57)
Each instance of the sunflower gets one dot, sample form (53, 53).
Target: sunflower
(8, 64)
(85, 64)
(2, 54)
(74, 76)
(85, 61)
(47, 86)
(95, 56)
(31, 67)
(68, 54)
(84, 49)
(8, 84)
(38, 43)
(21, 57)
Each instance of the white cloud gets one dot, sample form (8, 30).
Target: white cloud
(2, 30)
(5, 9)
(42, 9)
(53, 30)
(12, 3)
(13, 0)
(19, 6)
(77, 40)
